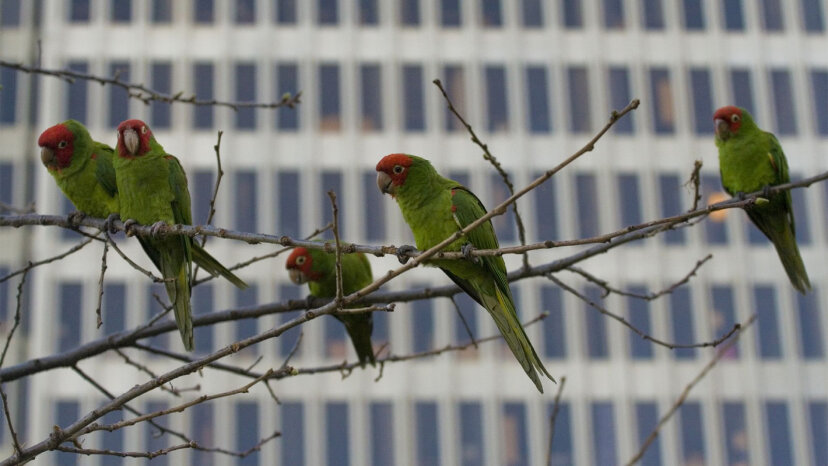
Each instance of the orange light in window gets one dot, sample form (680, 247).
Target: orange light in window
(718, 196)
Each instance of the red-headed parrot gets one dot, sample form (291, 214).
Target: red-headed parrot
(436, 208)
(152, 188)
(751, 160)
(318, 269)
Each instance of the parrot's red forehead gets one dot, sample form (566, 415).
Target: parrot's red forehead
(132, 124)
(298, 252)
(389, 161)
(54, 135)
(724, 113)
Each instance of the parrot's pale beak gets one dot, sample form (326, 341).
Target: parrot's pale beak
(722, 128)
(385, 184)
(131, 141)
(296, 276)
(47, 156)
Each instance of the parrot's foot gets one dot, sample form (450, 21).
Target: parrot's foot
(740, 195)
(467, 249)
(158, 227)
(75, 218)
(309, 301)
(766, 193)
(402, 253)
(128, 224)
(109, 223)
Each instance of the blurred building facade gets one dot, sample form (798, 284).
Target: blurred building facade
(535, 78)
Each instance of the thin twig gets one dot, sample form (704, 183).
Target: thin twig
(695, 182)
(129, 261)
(17, 313)
(101, 285)
(51, 259)
(463, 320)
(146, 370)
(126, 454)
(17, 210)
(15, 441)
(555, 408)
(338, 252)
(219, 176)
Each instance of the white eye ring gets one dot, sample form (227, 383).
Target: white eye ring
(143, 130)
(398, 169)
(62, 144)
(300, 260)
(734, 118)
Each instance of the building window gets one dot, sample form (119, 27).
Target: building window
(120, 11)
(203, 85)
(327, 12)
(112, 441)
(162, 11)
(202, 431)
(246, 328)
(661, 94)
(6, 184)
(332, 181)
(287, 341)
(768, 340)
(329, 102)
(670, 190)
(428, 433)
(572, 16)
(153, 308)
(537, 100)
(246, 92)
(336, 341)
(505, 225)
(546, 210)
(586, 197)
(812, 16)
(532, 13)
(733, 15)
(629, 199)
(66, 413)
(245, 11)
(246, 205)
(8, 96)
(374, 208)
(554, 330)
(693, 15)
(161, 80)
(201, 191)
(410, 12)
(70, 297)
(772, 19)
(118, 97)
(456, 89)
(287, 81)
(692, 433)
(4, 289)
(562, 450)
(736, 435)
(810, 334)
(246, 430)
(742, 88)
(368, 12)
(620, 97)
(77, 93)
(203, 11)
(497, 109)
(724, 315)
(293, 431)
(595, 325)
(466, 307)
(413, 98)
(79, 11)
(613, 14)
(603, 432)
(202, 302)
(382, 432)
(490, 13)
(288, 189)
(653, 15)
(472, 449)
(422, 324)
(819, 82)
(10, 13)
(639, 315)
(715, 228)
(285, 11)
(779, 433)
(450, 13)
(371, 102)
(114, 308)
(818, 422)
(681, 316)
(800, 207)
(783, 102)
(702, 99)
(515, 441)
(578, 86)
(646, 420)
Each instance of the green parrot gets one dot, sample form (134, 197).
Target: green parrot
(750, 160)
(152, 188)
(435, 208)
(81, 167)
(318, 269)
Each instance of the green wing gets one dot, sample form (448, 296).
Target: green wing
(780, 167)
(181, 193)
(105, 171)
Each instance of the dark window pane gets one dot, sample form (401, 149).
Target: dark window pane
(801, 220)
(246, 328)
(161, 80)
(596, 325)
(246, 202)
(490, 13)
(724, 315)
(288, 218)
(373, 208)
(653, 14)
(771, 12)
(532, 13)
(715, 228)
(422, 320)
(537, 96)
(428, 433)
(681, 313)
(202, 431)
(768, 340)
(247, 431)
(8, 96)
(562, 450)
(546, 211)
(613, 14)
(66, 208)
(450, 13)
(742, 87)
(336, 426)
(4, 301)
(603, 433)
(629, 199)
(661, 94)
(818, 423)
(113, 308)
(245, 11)
(733, 15)
(287, 81)
(472, 450)
(371, 103)
(382, 433)
(735, 431)
(327, 11)
(203, 85)
(455, 86)
(505, 225)
(410, 12)
(203, 11)
(118, 97)
(71, 302)
(120, 11)
(10, 13)
(670, 190)
(819, 82)
(246, 92)
(783, 102)
(468, 308)
(702, 100)
(336, 342)
(646, 415)
(810, 334)
(619, 84)
(586, 197)
(329, 113)
(554, 329)
(515, 441)
(287, 340)
(202, 303)
(153, 441)
(639, 316)
(368, 12)
(812, 16)
(572, 16)
(413, 98)
(6, 183)
(79, 11)
(693, 15)
(113, 441)
(692, 433)
(201, 191)
(66, 413)
(76, 93)
(161, 11)
(779, 433)
(153, 308)
(286, 12)
(332, 181)
(293, 433)
(578, 86)
(497, 109)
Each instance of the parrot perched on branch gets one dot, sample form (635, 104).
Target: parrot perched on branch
(152, 188)
(318, 269)
(751, 160)
(436, 208)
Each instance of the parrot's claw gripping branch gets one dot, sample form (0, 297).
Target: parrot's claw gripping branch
(467, 250)
(109, 223)
(75, 218)
(403, 253)
(158, 227)
(128, 224)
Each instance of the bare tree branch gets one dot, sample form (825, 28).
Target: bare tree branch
(126, 454)
(48, 260)
(101, 285)
(17, 308)
(15, 442)
(338, 252)
(553, 417)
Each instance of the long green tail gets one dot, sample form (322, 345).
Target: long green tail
(179, 292)
(214, 267)
(359, 328)
(778, 229)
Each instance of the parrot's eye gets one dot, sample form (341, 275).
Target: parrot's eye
(300, 260)
(398, 169)
(734, 118)
(62, 145)
(143, 130)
